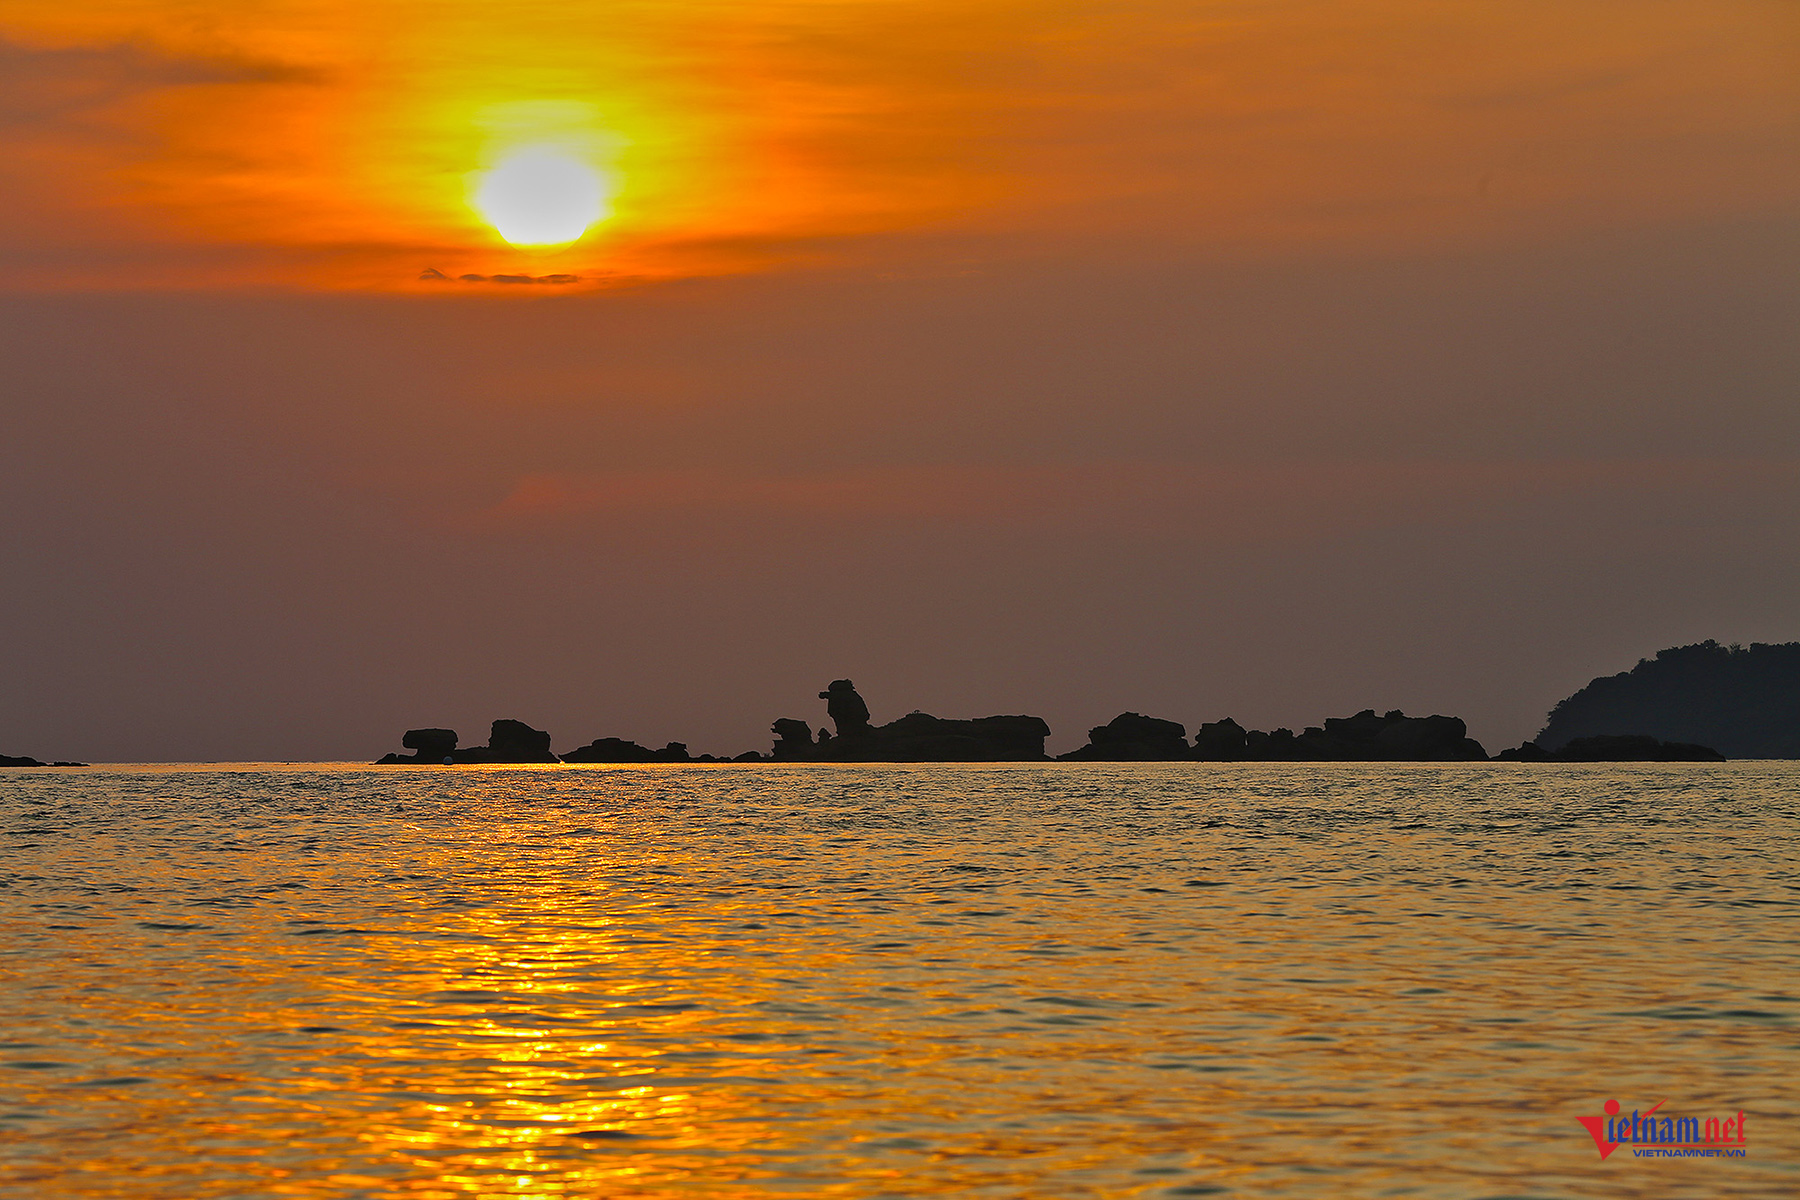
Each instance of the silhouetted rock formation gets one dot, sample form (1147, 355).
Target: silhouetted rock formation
(8, 760)
(429, 746)
(845, 708)
(1221, 741)
(1628, 748)
(611, 750)
(1745, 702)
(508, 742)
(793, 739)
(1527, 752)
(517, 742)
(618, 750)
(1277, 745)
(916, 737)
(921, 737)
(1132, 737)
(1365, 737)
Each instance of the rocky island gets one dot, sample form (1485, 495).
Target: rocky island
(916, 737)
(1664, 710)
(15, 760)
(508, 742)
(1744, 702)
(1365, 737)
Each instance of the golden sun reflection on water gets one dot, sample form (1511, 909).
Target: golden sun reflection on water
(863, 982)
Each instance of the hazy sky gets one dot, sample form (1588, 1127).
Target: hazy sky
(1271, 359)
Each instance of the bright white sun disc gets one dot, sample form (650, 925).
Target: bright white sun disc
(541, 196)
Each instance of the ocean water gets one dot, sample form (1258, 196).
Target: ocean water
(752, 981)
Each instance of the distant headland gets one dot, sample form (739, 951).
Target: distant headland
(1743, 701)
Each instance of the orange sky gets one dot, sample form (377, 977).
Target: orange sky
(1271, 358)
(331, 143)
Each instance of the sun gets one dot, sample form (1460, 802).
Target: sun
(541, 195)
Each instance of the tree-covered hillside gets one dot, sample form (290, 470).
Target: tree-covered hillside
(1742, 701)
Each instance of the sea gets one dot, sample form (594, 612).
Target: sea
(748, 981)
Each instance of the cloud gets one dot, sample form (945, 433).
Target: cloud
(62, 86)
(433, 275)
(782, 132)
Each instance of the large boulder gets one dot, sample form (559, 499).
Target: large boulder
(510, 742)
(1428, 739)
(618, 750)
(611, 750)
(793, 739)
(1278, 745)
(517, 742)
(1133, 737)
(430, 745)
(1389, 737)
(1221, 741)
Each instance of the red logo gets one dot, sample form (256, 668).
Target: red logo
(1650, 1136)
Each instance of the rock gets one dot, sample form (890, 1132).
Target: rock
(1365, 737)
(1526, 752)
(618, 750)
(1132, 737)
(1427, 739)
(1634, 748)
(845, 708)
(611, 750)
(793, 739)
(916, 737)
(1743, 701)
(508, 742)
(517, 742)
(749, 756)
(8, 760)
(1390, 737)
(1278, 745)
(430, 745)
(1220, 741)
(921, 737)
